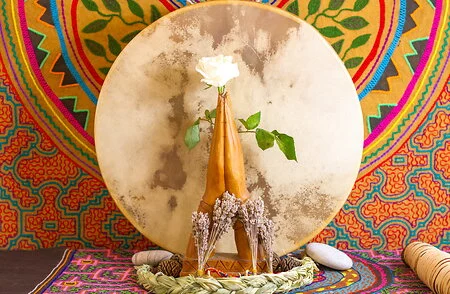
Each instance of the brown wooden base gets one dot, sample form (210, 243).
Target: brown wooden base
(227, 263)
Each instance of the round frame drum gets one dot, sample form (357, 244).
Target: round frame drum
(288, 72)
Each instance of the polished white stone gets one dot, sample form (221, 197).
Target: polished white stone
(329, 256)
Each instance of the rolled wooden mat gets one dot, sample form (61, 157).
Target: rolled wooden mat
(431, 265)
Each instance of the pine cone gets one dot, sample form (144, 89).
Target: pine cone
(171, 267)
(284, 264)
(276, 263)
(291, 262)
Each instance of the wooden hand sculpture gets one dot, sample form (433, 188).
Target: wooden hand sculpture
(226, 172)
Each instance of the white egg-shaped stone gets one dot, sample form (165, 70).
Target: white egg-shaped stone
(151, 257)
(329, 256)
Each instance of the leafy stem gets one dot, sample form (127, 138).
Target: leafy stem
(333, 17)
(319, 15)
(345, 53)
(119, 15)
(207, 120)
(108, 60)
(340, 11)
(264, 138)
(247, 131)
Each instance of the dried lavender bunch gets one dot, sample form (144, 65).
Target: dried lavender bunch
(251, 215)
(200, 230)
(224, 216)
(266, 237)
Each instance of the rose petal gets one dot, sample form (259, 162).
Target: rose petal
(217, 70)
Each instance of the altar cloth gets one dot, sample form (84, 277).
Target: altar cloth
(108, 271)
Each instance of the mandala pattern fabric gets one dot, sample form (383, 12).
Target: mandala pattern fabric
(106, 271)
(55, 54)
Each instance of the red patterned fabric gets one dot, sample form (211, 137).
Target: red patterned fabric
(54, 55)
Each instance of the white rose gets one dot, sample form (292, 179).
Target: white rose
(217, 70)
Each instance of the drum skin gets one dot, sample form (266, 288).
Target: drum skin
(152, 94)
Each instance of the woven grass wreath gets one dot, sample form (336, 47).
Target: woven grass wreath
(262, 284)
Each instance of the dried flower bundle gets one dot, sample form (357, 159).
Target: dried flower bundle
(200, 230)
(266, 236)
(224, 216)
(251, 215)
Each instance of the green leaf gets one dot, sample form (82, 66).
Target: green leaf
(192, 136)
(90, 5)
(335, 4)
(253, 120)
(286, 145)
(359, 41)
(360, 4)
(104, 70)
(95, 48)
(129, 36)
(313, 6)
(354, 23)
(95, 26)
(264, 139)
(353, 62)
(338, 46)
(135, 8)
(213, 113)
(293, 8)
(113, 45)
(243, 122)
(209, 115)
(331, 32)
(155, 14)
(112, 5)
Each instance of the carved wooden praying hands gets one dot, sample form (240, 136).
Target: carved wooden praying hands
(226, 172)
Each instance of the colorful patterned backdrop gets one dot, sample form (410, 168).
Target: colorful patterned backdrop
(55, 54)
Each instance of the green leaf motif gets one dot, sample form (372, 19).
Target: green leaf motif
(338, 46)
(264, 139)
(313, 6)
(335, 4)
(95, 26)
(192, 136)
(90, 5)
(155, 14)
(331, 32)
(112, 5)
(353, 62)
(360, 4)
(286, 145)
(293, 8)
(354, 23)
(135, 8)
(95, 48)
(113, 45)
(129, 37)
(252, 121)
(104, 70)
(359, 41)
